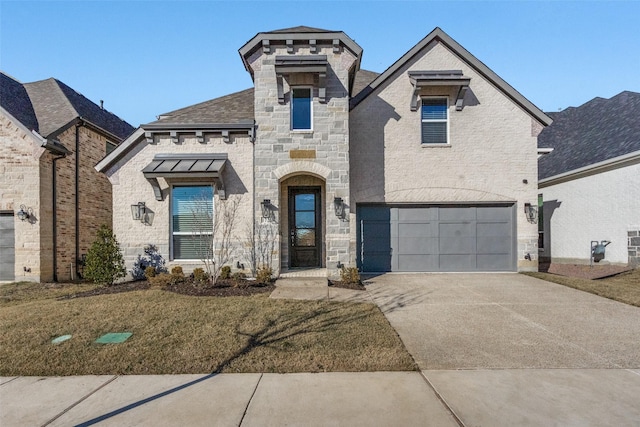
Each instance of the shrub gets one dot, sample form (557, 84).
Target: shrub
(176, 270)
(238, 278)
(225, 272)
(350, 275)
(199, 275)
(150, 272)
(104, 264)
(161, 280)
(151, 258)
(264, 275)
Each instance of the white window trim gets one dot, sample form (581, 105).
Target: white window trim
(291, 89)
(185, 233)
(447, 121)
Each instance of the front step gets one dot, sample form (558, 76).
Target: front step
(302, 282)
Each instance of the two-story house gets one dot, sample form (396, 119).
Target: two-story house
(429, 166)
(52, 200)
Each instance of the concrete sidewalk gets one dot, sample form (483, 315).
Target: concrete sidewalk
(347, 399)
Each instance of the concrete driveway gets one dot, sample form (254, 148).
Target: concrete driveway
(508, 349)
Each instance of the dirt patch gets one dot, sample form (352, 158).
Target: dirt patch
(586, 271)
(345, 285)
(114, 289)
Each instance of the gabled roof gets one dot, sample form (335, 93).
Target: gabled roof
(15, 99)
(56, 105)
(438, 35)
(598, 130)
(302, 29)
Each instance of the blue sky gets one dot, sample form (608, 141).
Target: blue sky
(144, 58)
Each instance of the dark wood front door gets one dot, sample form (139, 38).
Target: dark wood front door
(305, 234)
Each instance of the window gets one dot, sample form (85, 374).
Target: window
(435, 117)
(192, 222)
(301, 100)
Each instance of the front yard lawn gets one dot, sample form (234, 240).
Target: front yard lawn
(623, 287)
(179, 334)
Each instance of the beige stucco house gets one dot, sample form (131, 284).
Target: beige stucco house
(52, 200)
(425, 167)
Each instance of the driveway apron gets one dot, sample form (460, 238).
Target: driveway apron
(509, 349)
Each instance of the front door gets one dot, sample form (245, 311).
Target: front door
(305, 234)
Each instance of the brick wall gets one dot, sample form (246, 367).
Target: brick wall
(492, 150)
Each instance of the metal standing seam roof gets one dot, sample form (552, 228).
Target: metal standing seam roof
(196, 166)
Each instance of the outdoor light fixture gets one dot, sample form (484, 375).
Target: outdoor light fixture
(266, 208)
(24, 213)
(338, 206)
(138, 211)
(531, 212)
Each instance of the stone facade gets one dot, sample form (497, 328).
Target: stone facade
(326, 145)
(634, 246)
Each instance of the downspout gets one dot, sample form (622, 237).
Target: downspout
(55, 217)
(77, 198)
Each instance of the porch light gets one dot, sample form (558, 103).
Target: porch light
(338, 206)
(266, 208)
(24, 213)
(531, 212)
(138, 211)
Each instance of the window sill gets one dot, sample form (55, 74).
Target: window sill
(302, 131)
(435, 145)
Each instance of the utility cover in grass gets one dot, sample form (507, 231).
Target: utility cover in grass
(113, 338)
(61, 338)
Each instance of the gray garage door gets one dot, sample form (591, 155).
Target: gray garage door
(436, 238)
(7, 246)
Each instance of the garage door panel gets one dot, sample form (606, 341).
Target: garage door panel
(417, 214)
(493, 262)
(439, 238)
(418, 262)
(457, 262)
(456, 214)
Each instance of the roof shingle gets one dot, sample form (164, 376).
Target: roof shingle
(596, 131)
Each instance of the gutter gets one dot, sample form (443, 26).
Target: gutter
(593, 169)
(77, 196)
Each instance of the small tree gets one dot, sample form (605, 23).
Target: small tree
(260, 244)
(104, 264)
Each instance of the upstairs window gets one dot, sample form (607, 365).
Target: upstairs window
(435, 121)
(301, 100)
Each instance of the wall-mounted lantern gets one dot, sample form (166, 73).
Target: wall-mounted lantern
(531, 212)
(24, 213)
(138, 211)
(338, 206)
(266, 208)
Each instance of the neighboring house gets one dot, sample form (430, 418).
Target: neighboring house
(51, 137)
(425, 167)
(590, 183)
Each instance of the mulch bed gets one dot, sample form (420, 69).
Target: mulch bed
(223, 288)
(344, 285)
(597, 271)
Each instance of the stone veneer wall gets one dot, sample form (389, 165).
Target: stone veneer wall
(634, 246)
(492, 150)
(328, 141)
(130, 187)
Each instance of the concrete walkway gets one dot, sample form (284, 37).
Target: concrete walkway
(336, 399)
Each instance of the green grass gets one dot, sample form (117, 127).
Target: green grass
(177, 334)
(624, 287)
